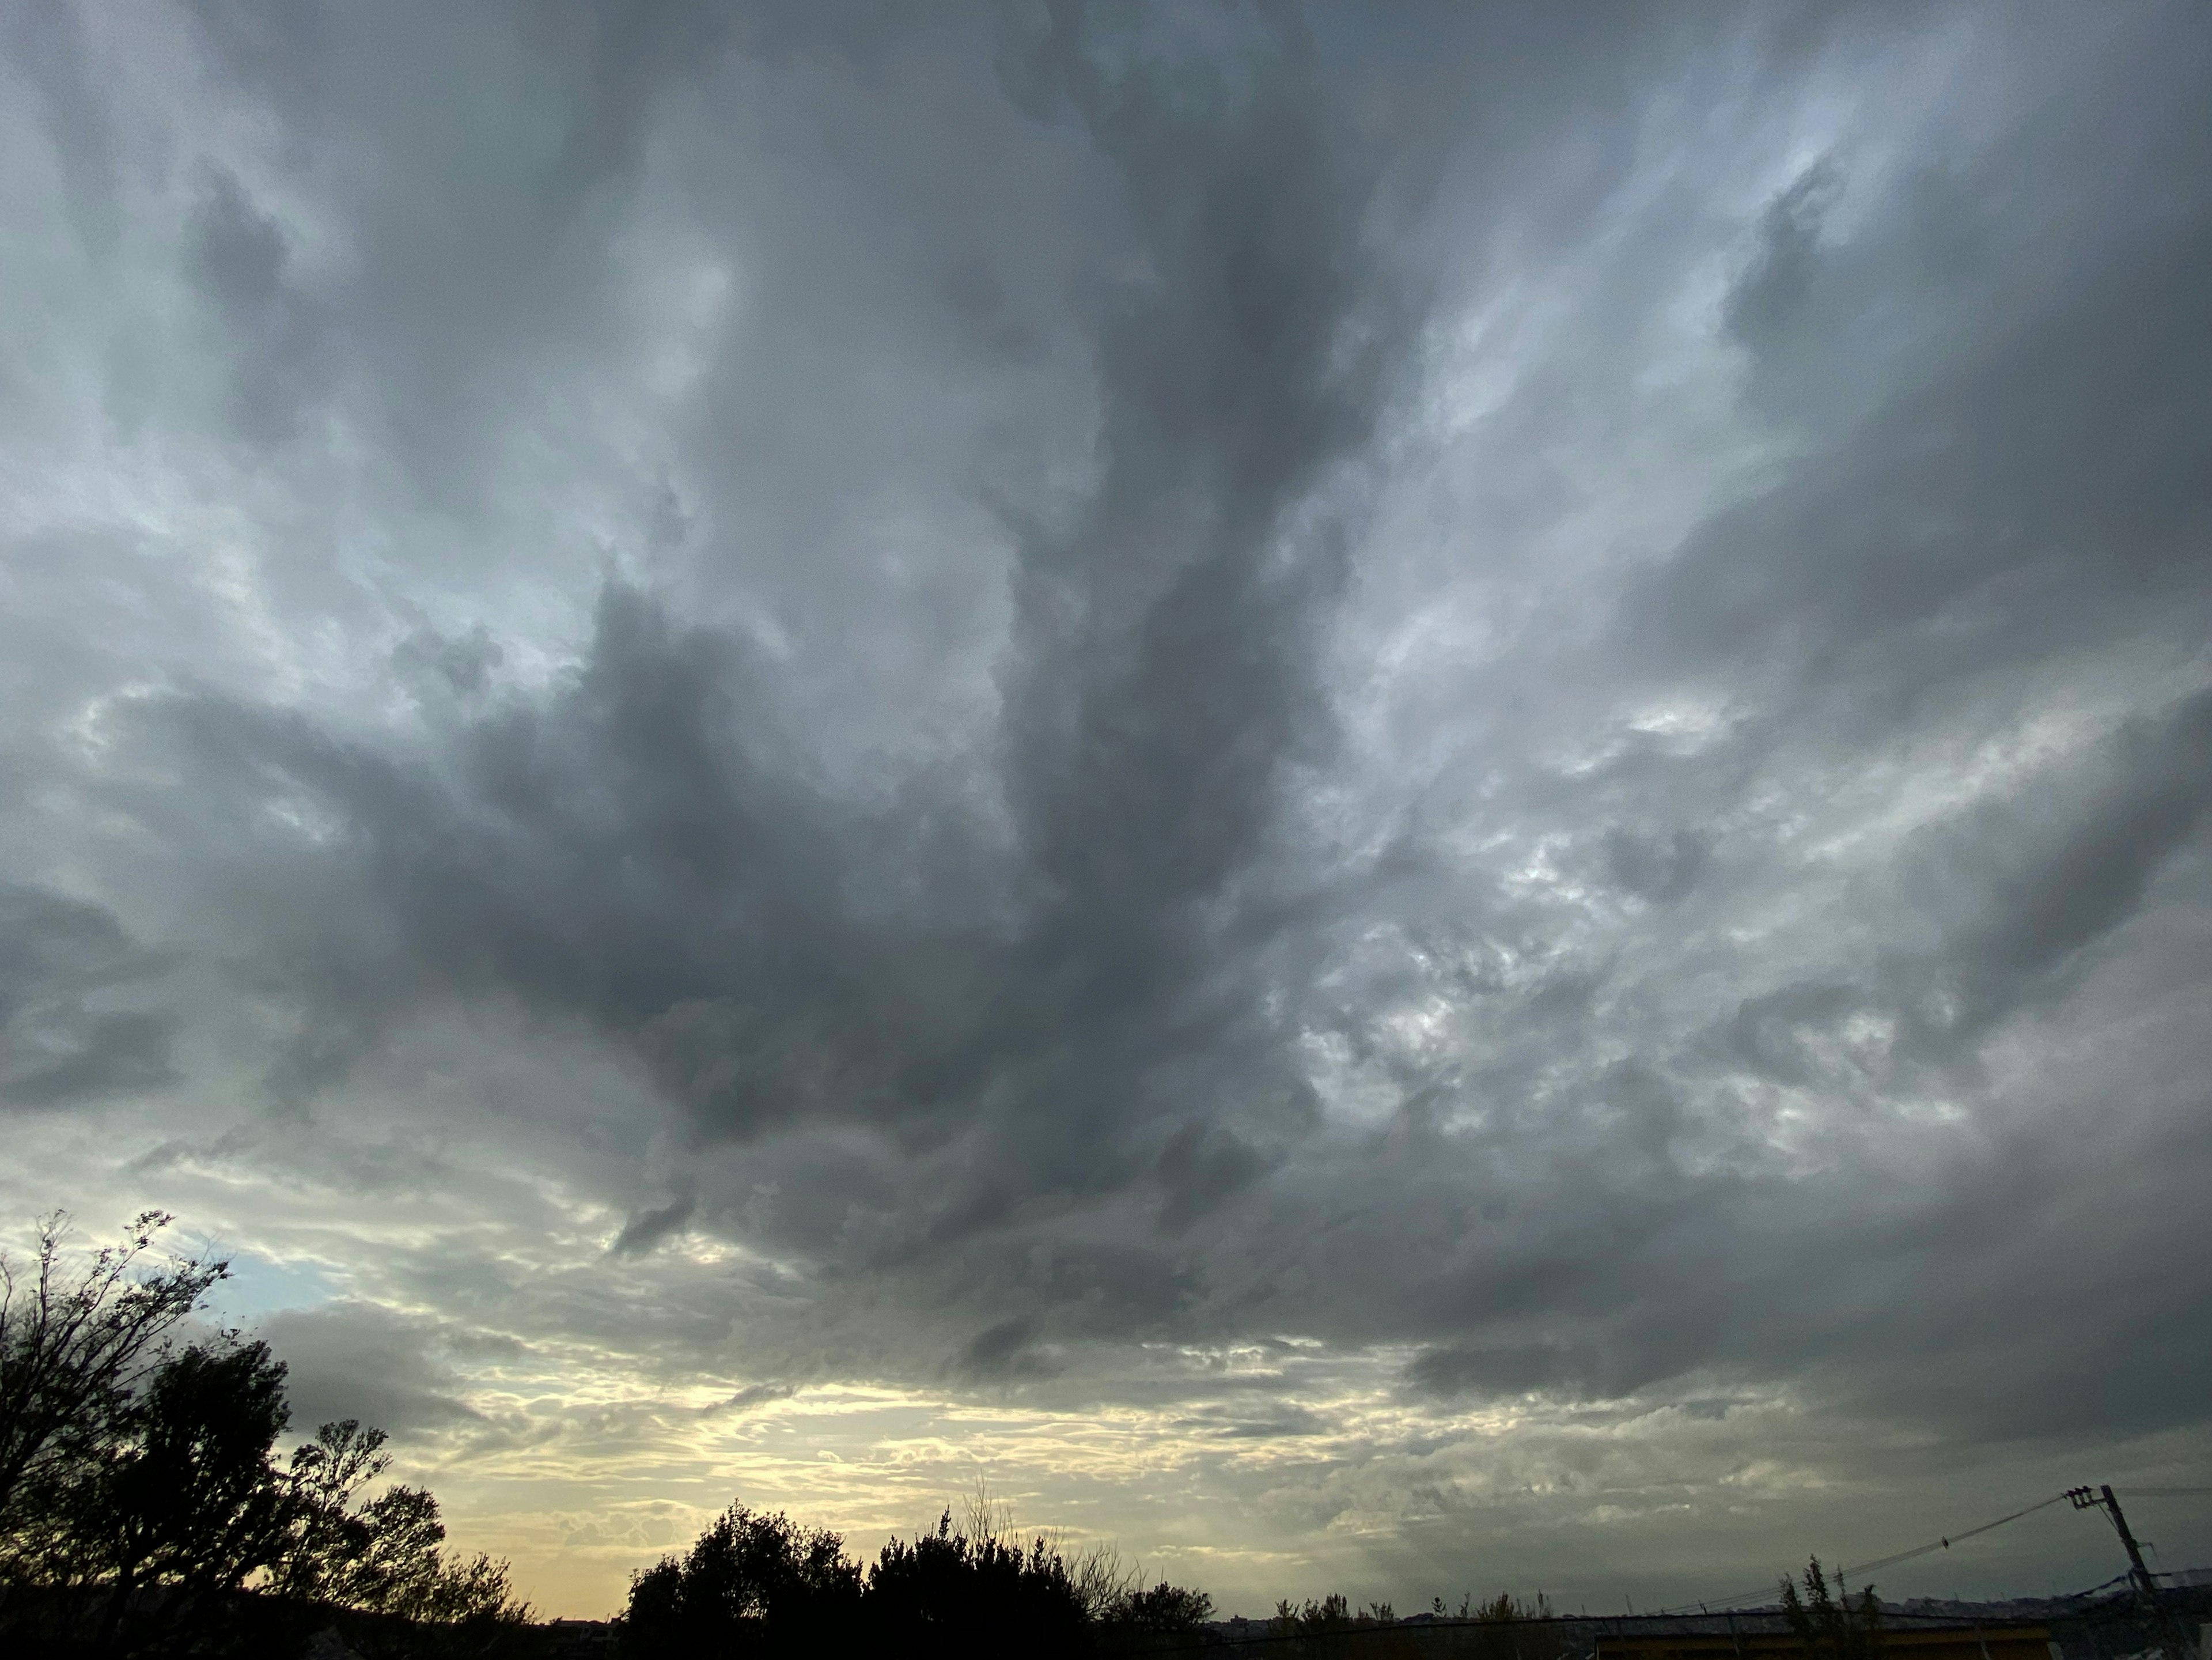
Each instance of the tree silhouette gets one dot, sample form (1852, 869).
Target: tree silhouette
(144, 1497)
(752, 1585)
(947, 1593)
(181, 1499)
(1829, 1627)
(755, 1584)
(73, 1347)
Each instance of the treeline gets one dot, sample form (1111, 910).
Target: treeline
(755, 1585)
(144, 1507)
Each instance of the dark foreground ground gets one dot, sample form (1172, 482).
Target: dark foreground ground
(2096, 1625)
(2103, 1625)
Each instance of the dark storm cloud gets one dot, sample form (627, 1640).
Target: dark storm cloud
(1128, 787)
(2031, 1248)
(107, 1055)
(355, 1361)
(45, 937)
(1004, 1352)
(1287, 1422)
(1655, 867)
(1163, 680)
(238, 255)
(625, 850)
(753, 1395)
(647, 849)
(2091, 877)
(237, 251)
(46, 38)
(64, 965)
(2041, 485)
(1199, 1166)
(1767, 297)
(648, 1228)
(1504, 1369)
(463, 252)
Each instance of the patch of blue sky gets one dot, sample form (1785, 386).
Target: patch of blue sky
(260, 1286)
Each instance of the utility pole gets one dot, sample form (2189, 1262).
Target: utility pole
(2146, 1585)
(2103, 1499)
(2135, 1552)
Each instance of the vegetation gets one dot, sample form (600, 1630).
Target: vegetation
(141, 1494)
(72, 1350)
(761, 1585)
(1832, 1629)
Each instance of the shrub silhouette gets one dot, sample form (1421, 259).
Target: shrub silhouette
(1331, 1614)
(1829, 1628)
(1166, 1610)
(761, 1585)
(946, 1593)
(752, 1585)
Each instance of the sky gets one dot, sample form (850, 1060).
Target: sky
(1405, 799)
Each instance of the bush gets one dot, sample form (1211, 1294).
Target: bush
(947, 1594)
(760, 1585)
(1166, 1610)
(752, 1584)
(1831, 1629)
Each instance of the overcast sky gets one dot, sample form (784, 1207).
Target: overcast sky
(1400, 799)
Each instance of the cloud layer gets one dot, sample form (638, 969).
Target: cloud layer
(1373, 790)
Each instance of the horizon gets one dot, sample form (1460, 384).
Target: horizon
(1409, 801)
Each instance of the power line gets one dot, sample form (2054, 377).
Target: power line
(1947, 1543)
(1943, 1542)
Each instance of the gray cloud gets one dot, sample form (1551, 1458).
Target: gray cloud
(1767, 298)
(64, 965)
(238, 255)
(648, 1228)
(237, 251)
(647, 848)
(1513, 701)
(46, 41)
(2092, 876)
(354, 1360)
(2037, 491)
(1654, 868)
(1002, 1352)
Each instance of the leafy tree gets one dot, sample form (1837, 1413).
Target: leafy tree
(380, 1555)
(1166, 1610)
(948, 1593)
(144, 1495)
(183, 1501)
(752, 1583)
(1501, 1610)
(1832, 1629)
(1332, 1613)
(73, 1347)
